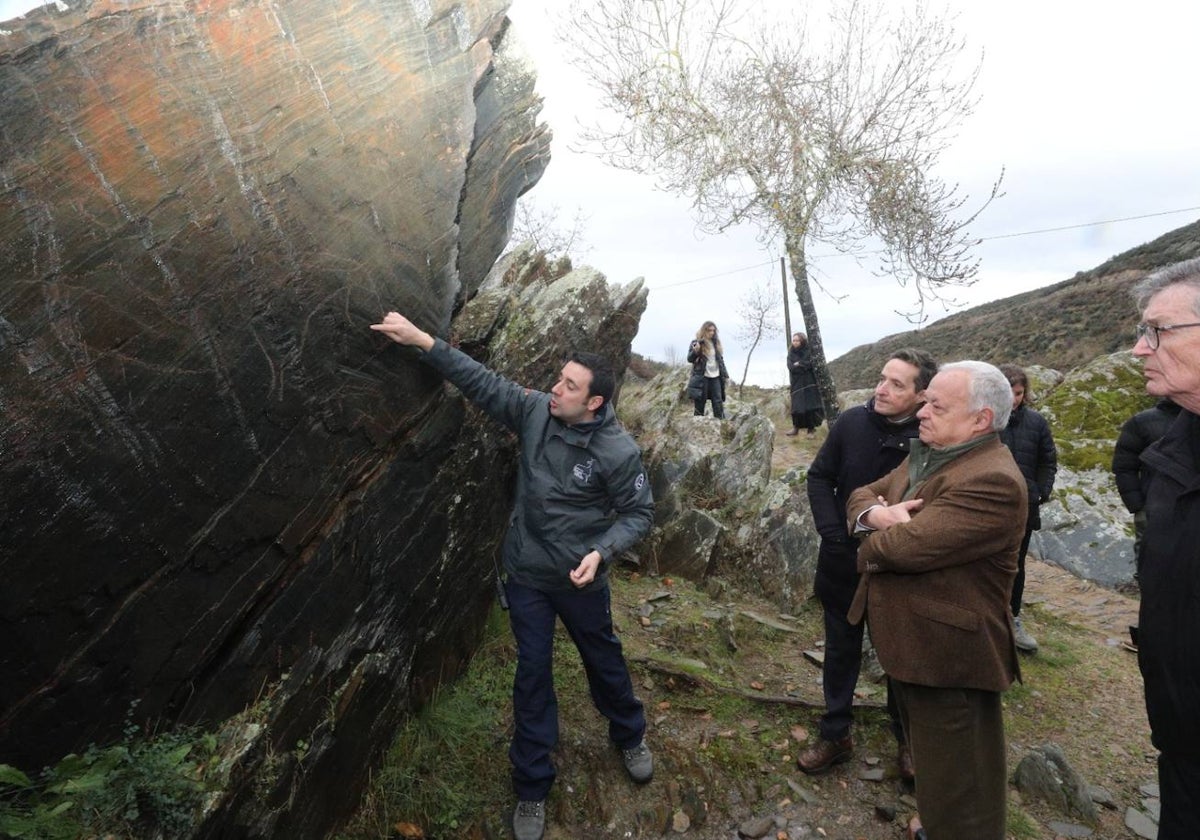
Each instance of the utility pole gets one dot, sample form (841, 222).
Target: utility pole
(787, 309)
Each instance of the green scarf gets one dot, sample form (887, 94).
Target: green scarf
(924, 460)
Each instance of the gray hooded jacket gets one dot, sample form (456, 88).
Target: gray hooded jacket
(579, 488)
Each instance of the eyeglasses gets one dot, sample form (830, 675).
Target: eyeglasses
(1153, 333)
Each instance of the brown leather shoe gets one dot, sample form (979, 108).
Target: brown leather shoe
(792, 433)
(904, 761)
(824, 754)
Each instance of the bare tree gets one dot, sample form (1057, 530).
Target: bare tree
(544, 227)
(828, 136)
(758, 319)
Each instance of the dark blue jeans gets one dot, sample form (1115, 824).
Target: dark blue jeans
(587, 616)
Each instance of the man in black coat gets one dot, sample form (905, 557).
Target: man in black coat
(866, 443)
(1169, 618)
(1138, 432)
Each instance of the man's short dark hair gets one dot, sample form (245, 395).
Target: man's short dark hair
(604, 379)
(922, 361)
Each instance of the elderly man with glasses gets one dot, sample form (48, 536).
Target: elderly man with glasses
(1168, 343)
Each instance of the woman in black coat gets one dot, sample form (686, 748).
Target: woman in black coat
(806, 398)
(707, 382)
(1028, 436)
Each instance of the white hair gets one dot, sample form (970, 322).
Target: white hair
(1185, 273)
(987, 387)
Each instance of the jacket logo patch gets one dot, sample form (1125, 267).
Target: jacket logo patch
(640, 481)
(583, 472)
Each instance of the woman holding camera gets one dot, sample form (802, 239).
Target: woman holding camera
(707, 382)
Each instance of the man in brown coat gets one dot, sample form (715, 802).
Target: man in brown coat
(938, 559)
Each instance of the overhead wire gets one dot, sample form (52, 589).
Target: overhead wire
(981, 239)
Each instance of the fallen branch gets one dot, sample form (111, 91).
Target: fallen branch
(690, 677)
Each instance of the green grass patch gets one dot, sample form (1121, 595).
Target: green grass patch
(1021, 826)
(447, 765)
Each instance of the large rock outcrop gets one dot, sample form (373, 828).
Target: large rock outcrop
(1085, 528)
(719, 513)
(218, 485)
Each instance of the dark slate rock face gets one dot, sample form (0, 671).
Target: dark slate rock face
(218, 485)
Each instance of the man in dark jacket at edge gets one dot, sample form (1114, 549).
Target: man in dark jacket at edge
(866, 443)
(581, 499)
(1168, 344)
(1138, 432)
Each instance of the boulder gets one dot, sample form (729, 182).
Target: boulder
(718, 510)
(1044, 773)
(219, 486)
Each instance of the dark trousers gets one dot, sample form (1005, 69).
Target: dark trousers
(714, 392)
(805, 420)
(1179, 786)
(587, 616)
(957, 740)
(1018, 590)
(839, 675)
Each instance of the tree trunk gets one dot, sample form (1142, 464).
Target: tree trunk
(795, 251)
(746, 371)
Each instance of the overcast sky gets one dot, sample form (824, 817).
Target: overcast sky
(1089, 110)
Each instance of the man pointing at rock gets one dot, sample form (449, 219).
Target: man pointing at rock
(581, 499)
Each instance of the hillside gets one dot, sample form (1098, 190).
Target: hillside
(1060, 326)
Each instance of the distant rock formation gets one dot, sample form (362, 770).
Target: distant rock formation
(1062, 326)
(218, 485)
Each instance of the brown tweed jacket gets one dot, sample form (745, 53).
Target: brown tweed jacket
(936, 589)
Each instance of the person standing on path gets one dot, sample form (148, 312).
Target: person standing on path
(581, 499)
(1028, 437)
(1168, 344)
(805, 396)
(864, 443)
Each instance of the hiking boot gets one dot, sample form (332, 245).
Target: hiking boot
(824, 754)
(529, 820)
(639, 763)
(1023, 640)
(792, 433)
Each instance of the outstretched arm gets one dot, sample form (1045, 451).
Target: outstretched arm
(403, 331)
(503, 400)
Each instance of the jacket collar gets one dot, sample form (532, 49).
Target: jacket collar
(1177, 453)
